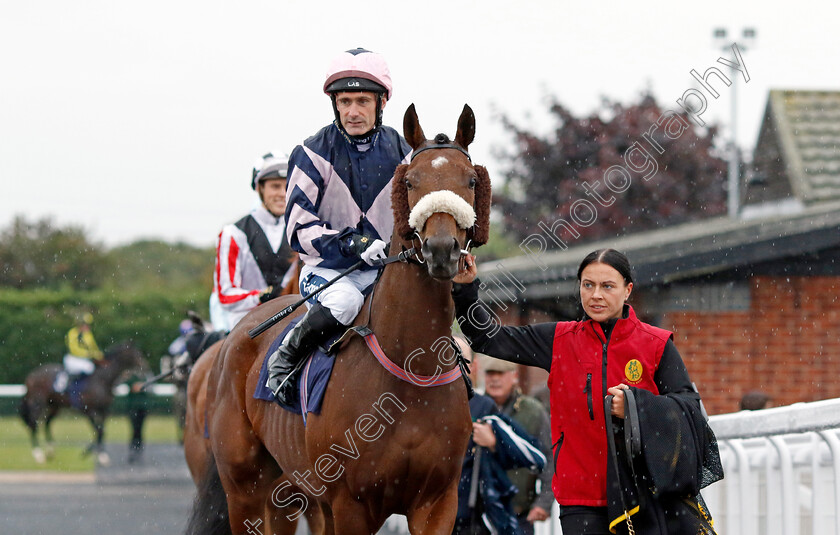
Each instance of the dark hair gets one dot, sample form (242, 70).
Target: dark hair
(610, 257)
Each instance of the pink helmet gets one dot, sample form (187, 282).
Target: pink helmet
(359, 70)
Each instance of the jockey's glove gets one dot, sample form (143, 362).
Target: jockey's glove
(270, 293)
(368, 248)
(376, 251)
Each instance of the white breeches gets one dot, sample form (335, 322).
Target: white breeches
(344, 298)
(78, 365)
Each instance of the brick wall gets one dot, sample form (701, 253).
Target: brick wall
(787, 345)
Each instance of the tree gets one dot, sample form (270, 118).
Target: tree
(623, 169)
(148, 264)
(40, 254)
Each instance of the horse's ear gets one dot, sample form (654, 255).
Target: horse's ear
(480, 232)
(411, 128)
(399, 203)
(466, 128)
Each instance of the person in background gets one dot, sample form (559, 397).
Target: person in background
(605, 353)
(339, 209)
(497, 444)
(755, 400)
(534, 500)
(253, 257)
(138, 407)
(179, 344)
(82, 353)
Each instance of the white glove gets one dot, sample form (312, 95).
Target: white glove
(376, 251)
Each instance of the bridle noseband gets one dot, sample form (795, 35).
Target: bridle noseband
(441, 141)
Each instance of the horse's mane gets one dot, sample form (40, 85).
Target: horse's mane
(479, 233)
(119, 348)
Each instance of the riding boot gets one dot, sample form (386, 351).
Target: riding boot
(315, 328)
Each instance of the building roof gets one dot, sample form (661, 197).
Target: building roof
(800, 135)
(676, 252)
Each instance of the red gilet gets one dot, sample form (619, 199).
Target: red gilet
(577, 393)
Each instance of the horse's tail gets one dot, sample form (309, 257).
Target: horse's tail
(210, 510)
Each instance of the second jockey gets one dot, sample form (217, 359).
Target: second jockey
(82, 351)
(339, 205)
(253, 257)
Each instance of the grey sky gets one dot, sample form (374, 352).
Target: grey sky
(143, 119)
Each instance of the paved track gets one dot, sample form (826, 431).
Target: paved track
(153, 497)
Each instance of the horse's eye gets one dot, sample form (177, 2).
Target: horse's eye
(408, 184)
(472, 183)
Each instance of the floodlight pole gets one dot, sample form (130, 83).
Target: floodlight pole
(734, 197)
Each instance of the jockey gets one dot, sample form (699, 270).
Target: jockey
(81, 348)
(179, 345)
(253, 257)
(339, 206)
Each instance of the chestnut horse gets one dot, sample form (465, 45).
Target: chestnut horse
(381, 445)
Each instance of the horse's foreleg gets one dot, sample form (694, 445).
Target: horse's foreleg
(351, 517)
(50, 446)
(246, 499)
(30, 413)
(435, 517)
(97, 419)
(315, 519)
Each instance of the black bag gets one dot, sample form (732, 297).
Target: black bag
(654, 489)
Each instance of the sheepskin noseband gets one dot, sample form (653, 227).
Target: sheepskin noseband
(443, 201)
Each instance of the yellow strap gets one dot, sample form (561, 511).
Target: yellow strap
(622, 518)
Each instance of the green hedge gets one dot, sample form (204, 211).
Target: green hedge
(33, 323)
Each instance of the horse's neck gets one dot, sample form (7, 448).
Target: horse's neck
(412, 315)
(110, 373)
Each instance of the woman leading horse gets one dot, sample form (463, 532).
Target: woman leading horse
(390, 437)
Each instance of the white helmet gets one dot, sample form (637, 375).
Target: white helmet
(271, 167)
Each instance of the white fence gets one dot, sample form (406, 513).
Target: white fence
(782, 470)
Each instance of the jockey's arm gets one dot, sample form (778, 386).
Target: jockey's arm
(89, 342)
(315, 239)
(233, 297)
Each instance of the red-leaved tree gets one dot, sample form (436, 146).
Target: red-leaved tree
(623, 169)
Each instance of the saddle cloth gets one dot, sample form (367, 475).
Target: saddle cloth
(72, 389)
(311, 380)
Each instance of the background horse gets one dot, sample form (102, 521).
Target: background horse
(381, 445)
(41, 402)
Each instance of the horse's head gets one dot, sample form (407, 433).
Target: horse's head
(441, 197)
(126, 356)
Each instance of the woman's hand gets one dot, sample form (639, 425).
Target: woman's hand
(467, 270)
(618, 399)
(483, 435)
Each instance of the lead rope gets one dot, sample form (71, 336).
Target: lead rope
(613, 454)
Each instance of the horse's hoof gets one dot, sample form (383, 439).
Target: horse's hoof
(103, 459)
(50, 451)
(39, 455)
